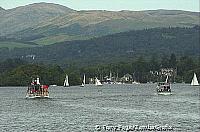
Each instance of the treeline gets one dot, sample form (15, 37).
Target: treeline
(15, 72)
(142, 68)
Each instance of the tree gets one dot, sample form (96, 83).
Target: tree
(172, 61)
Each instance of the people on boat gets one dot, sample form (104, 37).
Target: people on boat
(36, 89)
(45, 90)
(164, 88)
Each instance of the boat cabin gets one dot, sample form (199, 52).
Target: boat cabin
(163, 87)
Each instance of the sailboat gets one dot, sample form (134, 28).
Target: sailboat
(195, 81)
(66, 82)
(83, 83)
(135, 82)
(97, 82)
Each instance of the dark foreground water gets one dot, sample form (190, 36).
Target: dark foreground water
(90, 108)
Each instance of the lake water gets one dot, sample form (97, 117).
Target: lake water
(91, 108)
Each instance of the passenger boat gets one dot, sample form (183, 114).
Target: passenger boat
(36, 90)
(164, 88)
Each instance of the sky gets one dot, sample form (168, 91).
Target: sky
(113, 5)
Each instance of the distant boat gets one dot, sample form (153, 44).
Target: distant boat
(118, 82)
(36, 90)
(97, 82)
(164, 88)
(134, 82)
(110, 80)
(83, 83)
(195, 81)
(53, 85)
(66, 82)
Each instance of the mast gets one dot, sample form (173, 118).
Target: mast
(110, 76)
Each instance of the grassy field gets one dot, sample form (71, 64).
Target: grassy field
(12, 45)
(58, 38)
(41, 42)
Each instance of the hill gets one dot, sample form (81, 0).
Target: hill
(41, 21)
(98, 23)
(118, 47)
(1, 9)
(23, 17)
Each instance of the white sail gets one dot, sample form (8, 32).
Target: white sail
(97, 82)
(38, 81)
(166, 81)
(83, 83)
(84, 79)
(66, 82)
(110, 76)
(194, 81)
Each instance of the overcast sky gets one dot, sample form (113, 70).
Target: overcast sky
(189, 5)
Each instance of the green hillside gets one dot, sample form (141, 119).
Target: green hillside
(117, 47)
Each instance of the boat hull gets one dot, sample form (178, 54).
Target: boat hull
(98, 84)
(164, 93)
(195, 85)
(36, 97)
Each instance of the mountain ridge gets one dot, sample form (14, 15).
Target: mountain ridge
(43, 20)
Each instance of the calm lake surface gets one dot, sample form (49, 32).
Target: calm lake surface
(91, 108)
